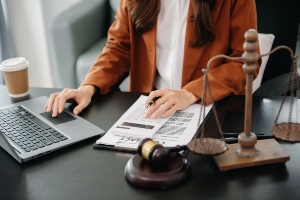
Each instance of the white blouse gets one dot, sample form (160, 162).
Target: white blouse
(170, 36)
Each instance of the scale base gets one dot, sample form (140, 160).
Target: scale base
(270, 152)
(141, 173)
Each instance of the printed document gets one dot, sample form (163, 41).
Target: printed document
(177, 129)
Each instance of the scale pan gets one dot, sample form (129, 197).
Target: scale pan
(207, 146)
(281, 131)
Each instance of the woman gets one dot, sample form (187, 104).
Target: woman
(165, 45)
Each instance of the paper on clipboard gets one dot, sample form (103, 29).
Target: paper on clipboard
(179, 129)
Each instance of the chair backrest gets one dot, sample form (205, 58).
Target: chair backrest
(280, 18)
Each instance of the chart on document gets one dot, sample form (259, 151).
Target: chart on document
(136, 125)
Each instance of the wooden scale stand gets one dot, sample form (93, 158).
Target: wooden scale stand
(143, 170)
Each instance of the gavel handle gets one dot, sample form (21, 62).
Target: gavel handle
(177, 148)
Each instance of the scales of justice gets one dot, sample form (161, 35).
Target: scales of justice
(247, 152)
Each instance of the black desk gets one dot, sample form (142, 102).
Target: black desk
(81, 172)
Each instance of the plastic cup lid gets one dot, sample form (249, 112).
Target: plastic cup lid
(14, 64)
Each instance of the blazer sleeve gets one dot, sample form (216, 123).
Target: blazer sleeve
(227, 77)
(115, 58)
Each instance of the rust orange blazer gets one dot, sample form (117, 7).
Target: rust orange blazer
(127, 49)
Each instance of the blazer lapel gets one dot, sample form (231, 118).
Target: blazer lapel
(192, 55)
(150, 41)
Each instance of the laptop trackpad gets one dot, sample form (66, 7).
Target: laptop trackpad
(61, 117)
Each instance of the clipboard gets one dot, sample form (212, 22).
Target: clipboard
(126, 150)
(117, 148)
(113, 148)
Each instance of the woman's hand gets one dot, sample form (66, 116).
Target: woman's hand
(82, 96)
(169, 102)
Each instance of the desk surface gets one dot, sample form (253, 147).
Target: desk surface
(81, 172)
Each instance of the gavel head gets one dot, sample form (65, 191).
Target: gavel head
(153, 152)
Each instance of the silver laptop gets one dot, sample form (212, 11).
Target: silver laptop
(27, 131)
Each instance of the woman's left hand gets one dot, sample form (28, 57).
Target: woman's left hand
(169, 102)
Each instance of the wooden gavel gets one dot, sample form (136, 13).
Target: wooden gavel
(155, 153)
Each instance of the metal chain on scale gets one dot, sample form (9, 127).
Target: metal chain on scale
(293, 78)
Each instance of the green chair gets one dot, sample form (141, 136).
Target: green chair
(76, 37)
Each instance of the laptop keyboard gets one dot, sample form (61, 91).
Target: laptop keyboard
(27, 131)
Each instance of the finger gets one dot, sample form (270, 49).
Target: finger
(154, 107)
(49, 103)
(64, 97)
(151, 96)
(156, 94)
(157, 113)
(164, 108)
(80, 107)
(54, 107)
(56, 104)
(150, 110)
(171, 102)
(169, 112)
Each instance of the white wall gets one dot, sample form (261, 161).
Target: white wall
(29, 19)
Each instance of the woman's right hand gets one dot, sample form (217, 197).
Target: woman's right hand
(82, 96)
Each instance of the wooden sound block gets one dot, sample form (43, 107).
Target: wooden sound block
(270, 152)
(141, 173)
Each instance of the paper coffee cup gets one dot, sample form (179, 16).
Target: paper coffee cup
(15, 72)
